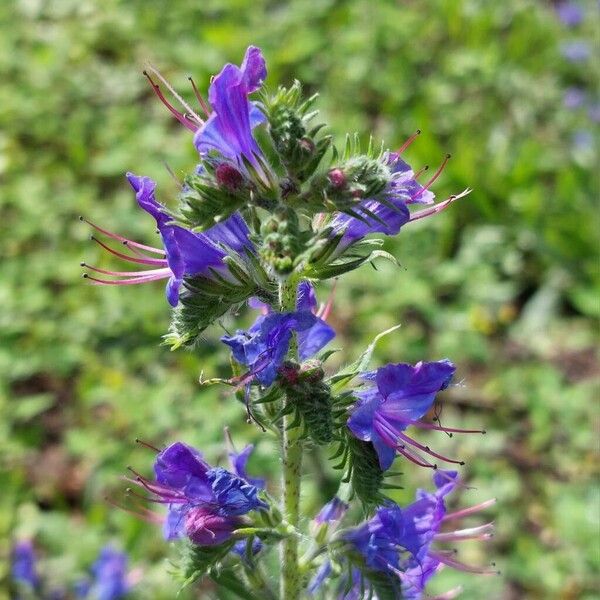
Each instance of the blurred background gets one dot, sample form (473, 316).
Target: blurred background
(505, 283)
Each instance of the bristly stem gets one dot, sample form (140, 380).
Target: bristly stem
(290, 582)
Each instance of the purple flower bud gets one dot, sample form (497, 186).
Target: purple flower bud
(332, 512)
(205, 528)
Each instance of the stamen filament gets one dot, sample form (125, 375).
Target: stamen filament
(179, 116)
(409, 141)
(460, 566)
(131, 281)
(471, 510)
(165, 271)
(439, 207)
(200, 99)
(162, 262)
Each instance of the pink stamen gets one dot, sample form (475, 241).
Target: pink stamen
(449, 595)
(405, 452)
(409, 141)
(433, 178)
(471, 510)
(144, 513)
(165, 271)
(483, 532)
(421, 171)
(179, 116)
(132, 281)
(125, 241)
(325, 309)
(421, 425)
(428, 450)
(460, 566)
(162, 262)
(439, 207)
(200, 99)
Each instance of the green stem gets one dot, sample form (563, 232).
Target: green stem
(290, 582)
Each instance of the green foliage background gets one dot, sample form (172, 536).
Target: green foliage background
(505, 283)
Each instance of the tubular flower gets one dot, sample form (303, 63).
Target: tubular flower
(238, 462)
(396, 397)
(205, 504)
(228, 130)
(389, 213)
(400, 541)
(332, 512)
(264, 346)
(185, 254)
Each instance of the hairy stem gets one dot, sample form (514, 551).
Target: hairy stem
(290, 583)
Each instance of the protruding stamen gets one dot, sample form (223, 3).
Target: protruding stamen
(325, 309)
(433, 178)
(130, 281)
(181, 101)
(421, 425)
(162, 262)
(179, 116)
(449, 595)
(460, 566)
(421, 171)
(428, 450)
(146, 444)
(125, 241)
(482, 532)
(409, 141)
(439, 207)
(471, 510)
(200, 99)
(166, 271)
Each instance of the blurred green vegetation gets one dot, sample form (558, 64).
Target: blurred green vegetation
(505, 283)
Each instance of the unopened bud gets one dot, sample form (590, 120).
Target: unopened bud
(229, 177)
(337, 178)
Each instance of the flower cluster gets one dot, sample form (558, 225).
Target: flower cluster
(109, 578)
(271, 209)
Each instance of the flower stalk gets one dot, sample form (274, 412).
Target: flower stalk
(291, 447)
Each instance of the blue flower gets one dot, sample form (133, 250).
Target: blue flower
(228, 130)
(110, 575)
(205, 503)
(397, 396)
(264, 346)
(185, 254)
(240, 548)
(23, 564)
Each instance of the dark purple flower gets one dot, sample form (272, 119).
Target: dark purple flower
(228, 130)
(576, 51)
(205, 503)
(397, 396)
(185, 254)
(110, 575)
(264, 346)
(569, 13)
(332, 512)
(23, 564)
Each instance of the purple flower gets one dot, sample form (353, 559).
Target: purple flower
(110, 575)
(228, 129)
(400, 541)
(594, 112)
(238, 462)
(185, 254)
(205, 503)
(402, 190)
(332, 512)
(569, 13)
(576, 51)
(264, 346)
(397, 396)
(574, 98)
(241, 547)
(23, 564)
